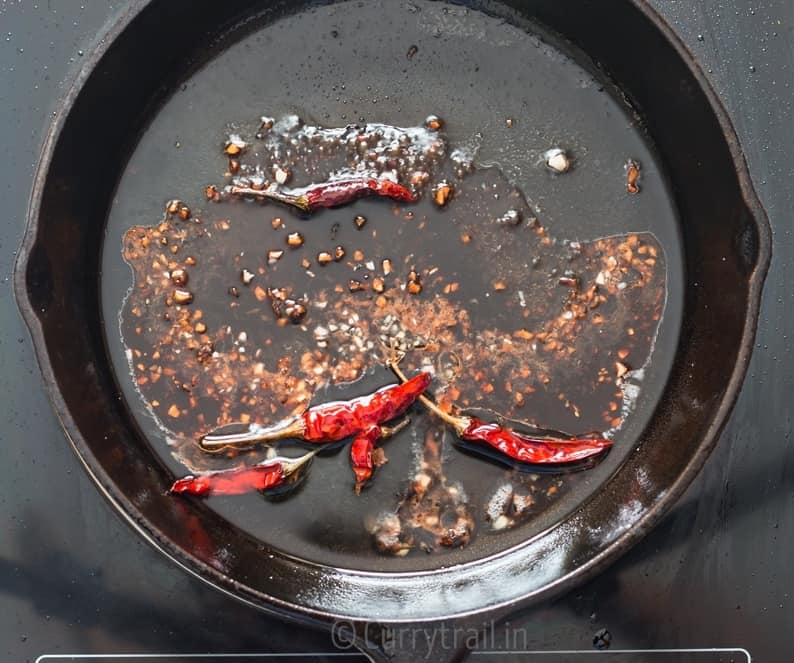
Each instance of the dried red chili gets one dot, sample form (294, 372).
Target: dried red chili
(361, 455)
(264, 476)
(330, 194)
(529, 449)
(329, 422)
(517, 446)
(361, 451)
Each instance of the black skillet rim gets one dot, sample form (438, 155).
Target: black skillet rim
(457, 575)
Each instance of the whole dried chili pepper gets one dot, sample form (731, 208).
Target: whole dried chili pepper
(361, 451)
(329, 422)
(263, 476)
(361, 455)
(515, 445)
(330, 194)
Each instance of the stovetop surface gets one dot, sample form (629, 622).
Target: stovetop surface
(716, 573)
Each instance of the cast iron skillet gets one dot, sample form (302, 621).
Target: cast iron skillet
(726, 245)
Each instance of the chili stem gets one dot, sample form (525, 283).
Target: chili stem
(290, 465)
(458, 423)
(215, 443)
(299, 201)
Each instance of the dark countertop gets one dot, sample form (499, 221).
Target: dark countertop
(715, 573)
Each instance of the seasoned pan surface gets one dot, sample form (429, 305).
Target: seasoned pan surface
(314, 552)
(506, 118)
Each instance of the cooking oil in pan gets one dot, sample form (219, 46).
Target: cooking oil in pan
(532, 291)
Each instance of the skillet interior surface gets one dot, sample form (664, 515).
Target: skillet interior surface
(314, 563)
(550, 100)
